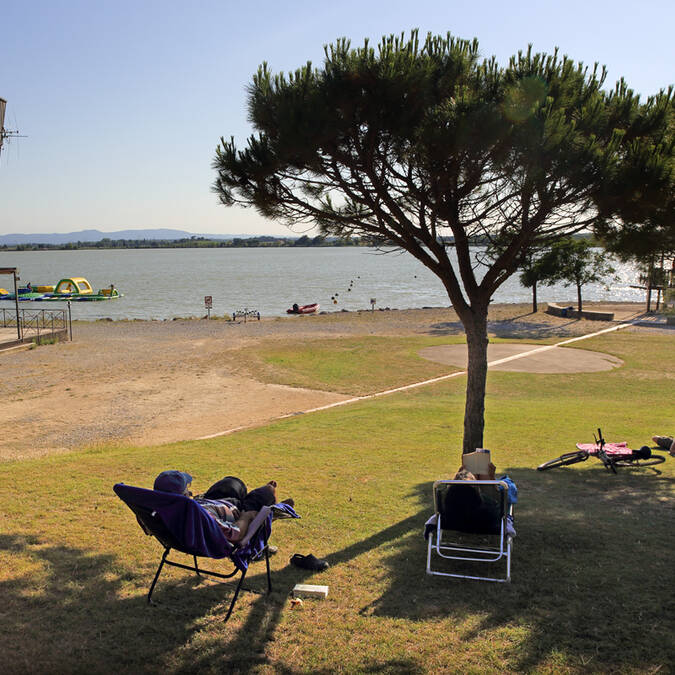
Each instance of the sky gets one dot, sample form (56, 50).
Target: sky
(123, 102)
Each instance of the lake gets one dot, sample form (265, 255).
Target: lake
(168, 283)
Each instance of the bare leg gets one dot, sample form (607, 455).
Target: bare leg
(268, 495)
(262, 496)
(242, 523)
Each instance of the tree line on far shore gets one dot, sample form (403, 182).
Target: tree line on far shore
(263, 241)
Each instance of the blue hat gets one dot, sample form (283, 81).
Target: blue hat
(172, 481)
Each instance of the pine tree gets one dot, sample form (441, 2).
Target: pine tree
(420, 145)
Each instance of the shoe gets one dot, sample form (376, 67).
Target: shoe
(664, 442)
(309, 562)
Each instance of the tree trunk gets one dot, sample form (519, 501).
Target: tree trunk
(534, 298)
(474, 412)
(579, 305)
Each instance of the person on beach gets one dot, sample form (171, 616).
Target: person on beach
(228, 501)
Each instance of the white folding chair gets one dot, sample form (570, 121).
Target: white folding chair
(462, 531)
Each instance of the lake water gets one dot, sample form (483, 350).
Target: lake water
(167, 283)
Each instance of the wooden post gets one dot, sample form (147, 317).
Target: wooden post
(16, 302)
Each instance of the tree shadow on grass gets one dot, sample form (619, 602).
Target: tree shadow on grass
(591, 571)
(591, 589)
(508, 329)
(65, 609)
(591, 560)
(531, 330)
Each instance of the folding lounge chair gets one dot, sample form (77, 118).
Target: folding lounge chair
(462, 530)
(180, 523)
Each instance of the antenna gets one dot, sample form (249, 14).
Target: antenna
(6, 133)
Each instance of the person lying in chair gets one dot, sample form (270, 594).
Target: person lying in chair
(472, 509)
(467, 508)
(228, 501)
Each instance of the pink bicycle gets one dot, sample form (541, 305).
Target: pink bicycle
(612, 455)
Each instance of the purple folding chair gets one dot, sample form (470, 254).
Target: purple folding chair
(180, 523)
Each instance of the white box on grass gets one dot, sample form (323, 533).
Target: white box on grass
(309, 591)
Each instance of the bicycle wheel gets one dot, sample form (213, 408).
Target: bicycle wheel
(651, 461)
(564, 460)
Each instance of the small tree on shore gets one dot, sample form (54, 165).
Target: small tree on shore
(655, 275)
(652, 248)
(421, 146)
(532, 274)
(573, 262)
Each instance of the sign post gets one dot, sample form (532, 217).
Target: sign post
(372, 304)
(208, 303)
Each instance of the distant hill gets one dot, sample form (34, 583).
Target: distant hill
(97, 235)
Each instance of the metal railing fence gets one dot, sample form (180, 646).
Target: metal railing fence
(35, 323)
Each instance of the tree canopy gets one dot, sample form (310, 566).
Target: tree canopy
(421, 145)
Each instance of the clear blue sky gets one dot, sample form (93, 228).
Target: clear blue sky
(123, 102)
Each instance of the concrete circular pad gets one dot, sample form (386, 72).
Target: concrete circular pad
(555, 360)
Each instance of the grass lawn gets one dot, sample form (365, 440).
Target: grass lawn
(354, 365)
(592, 566)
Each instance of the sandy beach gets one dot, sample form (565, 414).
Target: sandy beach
(153, 382)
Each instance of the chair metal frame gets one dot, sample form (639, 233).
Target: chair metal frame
(439, 539)
(152, 526)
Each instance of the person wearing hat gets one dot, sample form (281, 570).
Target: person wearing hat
(228, 501)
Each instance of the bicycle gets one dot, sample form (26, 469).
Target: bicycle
(612, 455)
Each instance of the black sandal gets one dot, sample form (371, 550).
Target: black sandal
(309, 562)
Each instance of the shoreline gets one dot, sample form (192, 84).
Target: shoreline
(627, 309)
